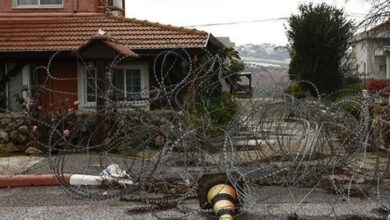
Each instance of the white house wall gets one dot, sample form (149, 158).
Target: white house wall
(370, 59)
(377, 60)
(388, 66)
(374, 63)
(360, 52)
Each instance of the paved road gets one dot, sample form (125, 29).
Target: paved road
(272, 203)
(53, 203)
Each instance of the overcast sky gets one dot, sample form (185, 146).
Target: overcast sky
(199, 12)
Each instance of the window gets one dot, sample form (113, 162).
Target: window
(115, 4)
(18, 85)
(130, 86)
(382, 68)
(90, 86)
(127, 84)
(38, 3)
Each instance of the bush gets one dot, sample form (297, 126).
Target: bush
(7, 149)
(347, 98)
(352, 108)
(348, 90)
(215, 113)
(296, 91)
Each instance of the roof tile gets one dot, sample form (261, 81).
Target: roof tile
(69, 33)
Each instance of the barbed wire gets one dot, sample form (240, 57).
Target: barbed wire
(271, 139)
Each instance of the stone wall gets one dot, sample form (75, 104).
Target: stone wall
(14, 136)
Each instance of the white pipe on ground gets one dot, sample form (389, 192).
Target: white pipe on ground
(89, 180)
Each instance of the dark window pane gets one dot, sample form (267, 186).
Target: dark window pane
(51, 2)
(15, 92)
(27, 2)
(91, 86)
(38, 77)
(110, 2)
(133, 81)
(119, 84)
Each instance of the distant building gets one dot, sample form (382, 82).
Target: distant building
(244, 87)
(371, 51)
(227, 42)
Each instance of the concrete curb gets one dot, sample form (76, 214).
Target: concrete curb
(31, 180)
(51, 180)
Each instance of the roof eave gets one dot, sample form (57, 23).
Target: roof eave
(213, 41)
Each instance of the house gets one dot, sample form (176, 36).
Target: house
(56, 50)
(371, 52)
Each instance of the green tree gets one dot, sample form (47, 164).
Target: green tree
(215, 109)
(318, 37)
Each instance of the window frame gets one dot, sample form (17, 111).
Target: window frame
(39, 5)
(85, 82)
(83, 87)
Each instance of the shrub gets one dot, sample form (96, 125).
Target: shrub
(296, 91)
(352, 108)
(52, 123)
(7, 149)
(215, 113)
(348, 90)
(346, 97)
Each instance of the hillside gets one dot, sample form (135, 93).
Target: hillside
(267, 63)
(264, 51)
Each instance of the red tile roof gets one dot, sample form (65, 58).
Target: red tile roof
(69, 33)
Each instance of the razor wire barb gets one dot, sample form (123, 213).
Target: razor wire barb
(271, 139)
